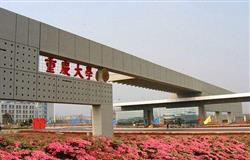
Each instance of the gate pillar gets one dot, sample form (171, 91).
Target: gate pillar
(102, 116)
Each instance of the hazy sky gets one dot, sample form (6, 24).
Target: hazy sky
(207, 40)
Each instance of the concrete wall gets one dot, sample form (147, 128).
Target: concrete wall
(21, 40)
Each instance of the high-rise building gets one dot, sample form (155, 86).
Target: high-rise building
(22, 111)
(50, 112)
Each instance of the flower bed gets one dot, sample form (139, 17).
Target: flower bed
(53, 146)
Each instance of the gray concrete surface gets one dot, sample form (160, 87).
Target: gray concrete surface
(221, 129)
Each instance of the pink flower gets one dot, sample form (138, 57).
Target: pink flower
(130, 147)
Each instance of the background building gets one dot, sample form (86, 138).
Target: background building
(50, 112)
(22, 111)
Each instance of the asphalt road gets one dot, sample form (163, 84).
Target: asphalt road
(88, 129)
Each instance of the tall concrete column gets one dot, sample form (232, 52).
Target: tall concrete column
(217, 117)
(201, 112)
(102, 116)
(148, 115)
(229, 117)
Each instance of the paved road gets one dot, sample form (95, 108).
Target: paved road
(88, 129)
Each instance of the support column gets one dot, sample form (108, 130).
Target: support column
(102, 116)
(229, 117)
(217, 117)
(201, 112)
(148, 115)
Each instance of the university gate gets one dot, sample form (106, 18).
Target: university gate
(23, 41)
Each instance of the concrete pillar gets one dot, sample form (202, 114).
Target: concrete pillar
(229, 117)
(217, 117)
(102, 116)
(148, 115)
(201, 112)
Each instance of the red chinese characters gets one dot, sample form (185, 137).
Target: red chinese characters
(65, 68)
(51, 64)
(88, 72)
(78, 71)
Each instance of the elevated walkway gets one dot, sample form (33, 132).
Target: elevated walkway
(185, 102)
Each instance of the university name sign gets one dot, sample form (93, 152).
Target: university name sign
(65, 67)
(101, 74)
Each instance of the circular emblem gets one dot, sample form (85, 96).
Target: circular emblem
(102, 75)
(97, 77)
(105, 74)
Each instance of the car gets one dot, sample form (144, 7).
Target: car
(173, 121)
